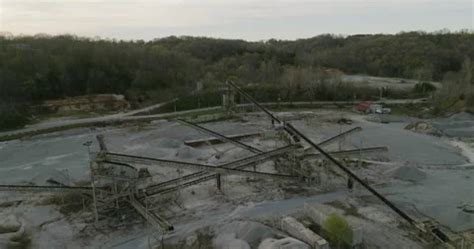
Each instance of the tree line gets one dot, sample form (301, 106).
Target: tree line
(41, 67)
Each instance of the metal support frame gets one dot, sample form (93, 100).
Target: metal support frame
(220, 136)
(218, 181)
(354, 152)
(238, 164)
(114, 157)
(295, 132)
(339, 136)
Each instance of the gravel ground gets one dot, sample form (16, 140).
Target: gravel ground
(437, 194)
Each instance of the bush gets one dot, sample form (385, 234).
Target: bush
(12, 117)
(338, 231)
(424, 88)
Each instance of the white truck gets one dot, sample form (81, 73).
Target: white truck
(379, 109)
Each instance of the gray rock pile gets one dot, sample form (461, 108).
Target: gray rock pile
(423, 128)
(12, 233)
(457, 125)
(409, 173)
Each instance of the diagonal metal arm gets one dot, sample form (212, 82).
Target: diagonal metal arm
(294, 132)
(123, 158)
(354, 152)
(238, 164)
(351, 174)
(220, 136)
(273, 117)
(247, 96)
(339, 136)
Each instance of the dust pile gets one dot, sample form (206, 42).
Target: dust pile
(169, 143)
(188, 153)
(457, 125)
(409, 173)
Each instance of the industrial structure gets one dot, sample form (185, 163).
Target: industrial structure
(119, 179)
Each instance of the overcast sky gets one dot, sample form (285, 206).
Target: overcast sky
(243, 19)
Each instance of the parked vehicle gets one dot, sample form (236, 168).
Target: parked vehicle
(369, 107)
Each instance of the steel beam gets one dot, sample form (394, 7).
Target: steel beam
(339, 136)
(293, 131)
(213, 140)
(27, 188)
(183, 184)
(190, 166)
(220, 136)
(354, 152)
(242, 163)
(153, 218)
(354, 176)
(273, 117)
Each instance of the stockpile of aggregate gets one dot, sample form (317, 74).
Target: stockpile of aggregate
(409, 173)
(457, 125)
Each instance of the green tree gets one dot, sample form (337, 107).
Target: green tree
(12, 116)
(338, 231)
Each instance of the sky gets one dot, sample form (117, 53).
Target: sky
(238, 19)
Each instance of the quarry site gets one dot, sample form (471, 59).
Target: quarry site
(242, 176)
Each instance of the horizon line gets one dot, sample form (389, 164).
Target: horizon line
(98, 37)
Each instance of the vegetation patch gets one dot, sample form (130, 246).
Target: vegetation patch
(338, 232)
(34, 69)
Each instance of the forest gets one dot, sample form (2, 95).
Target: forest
(42, 67)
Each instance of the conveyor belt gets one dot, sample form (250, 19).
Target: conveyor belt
(262, 156)
(242, 163)
(153, 218)
(354, 176)
(185, 180)
(339, 136)
(190, 166)
(213, 140)
(31, 188)
(121, 164)
(220, 136)
(354, 152)
(293, 131)
(183, 184)
(247, 96)
(273, 117)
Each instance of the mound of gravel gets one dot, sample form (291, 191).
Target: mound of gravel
(51, 177)
(12, 232)
(409, 173)
(285, 243)
(423, 128)
(9, 224)
(188, 153)
(226, 240)
(169, 143)
(251, 232)
(462, 116)
(457, 125)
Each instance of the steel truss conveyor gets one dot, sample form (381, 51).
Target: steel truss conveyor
(192, 179)
(33, 188)
(220, 136)
(131, 159)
